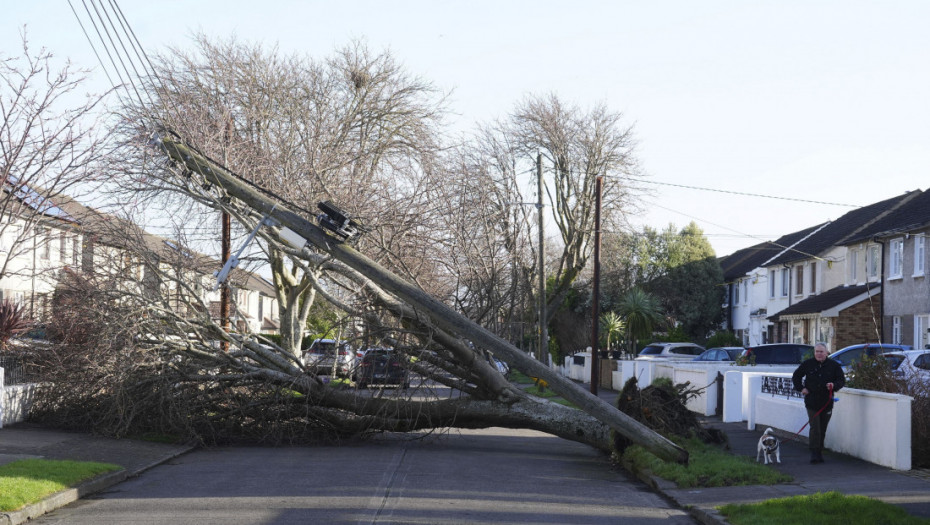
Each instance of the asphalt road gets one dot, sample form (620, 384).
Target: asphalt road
(481, 476)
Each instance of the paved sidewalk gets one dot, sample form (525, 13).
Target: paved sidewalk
(841, 473)
(26, 440)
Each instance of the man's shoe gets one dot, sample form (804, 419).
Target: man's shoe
(814, 458)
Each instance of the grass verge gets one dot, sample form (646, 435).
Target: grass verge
(519, 378)
(816, 509)
(708, 466)
(30, 480)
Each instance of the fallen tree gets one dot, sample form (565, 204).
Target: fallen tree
(499, 403)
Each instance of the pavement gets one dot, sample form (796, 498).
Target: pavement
(909, 490)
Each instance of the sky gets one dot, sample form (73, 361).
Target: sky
(823, 101)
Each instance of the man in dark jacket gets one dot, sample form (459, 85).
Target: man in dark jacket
(817, 378)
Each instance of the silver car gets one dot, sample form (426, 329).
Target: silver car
(325, 357)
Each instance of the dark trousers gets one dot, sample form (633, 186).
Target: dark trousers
(818, 432)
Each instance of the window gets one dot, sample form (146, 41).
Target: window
(813, 278)
(771, 283)
(896, 330)
(75, 252)
(852, 258)
(785, 282)
(920, 255)
(896, 258)
(736, 294)
(921, 337)
(746, 291)
(62, 247)
(42, 243)
(873, 261)
(799, 276)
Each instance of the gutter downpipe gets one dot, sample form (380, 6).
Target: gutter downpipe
(881, 287)
(790, 291)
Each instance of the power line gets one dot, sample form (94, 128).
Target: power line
(741, 233)
(746, 194)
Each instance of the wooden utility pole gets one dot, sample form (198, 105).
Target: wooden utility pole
(439, 313)
(595, 303)
(225, 245)
(543, 354)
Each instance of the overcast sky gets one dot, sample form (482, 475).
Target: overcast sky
(814, 100)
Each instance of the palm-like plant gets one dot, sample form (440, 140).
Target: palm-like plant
(642, 313)
(612, 324)
(12, 322)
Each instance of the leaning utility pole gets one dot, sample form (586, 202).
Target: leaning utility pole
(440, 314)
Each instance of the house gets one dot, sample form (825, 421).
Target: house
(893, 251)
(822, 304)
(825, 283)
(748, 286)
(66, 235)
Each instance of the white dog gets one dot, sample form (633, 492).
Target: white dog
(769, 447)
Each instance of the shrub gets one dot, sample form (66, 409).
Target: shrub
(723, 339)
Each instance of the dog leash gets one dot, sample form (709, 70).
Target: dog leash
(798, 433)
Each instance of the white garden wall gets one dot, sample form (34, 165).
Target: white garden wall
(873, 426)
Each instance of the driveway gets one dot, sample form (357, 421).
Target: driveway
(480, 476)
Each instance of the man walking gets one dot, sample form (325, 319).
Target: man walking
(818, 378)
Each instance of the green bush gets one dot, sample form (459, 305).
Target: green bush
(723, 339)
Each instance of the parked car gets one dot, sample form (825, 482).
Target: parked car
(847, 356)
(324, 354)
(382, 366)
(910, 365)
(671, 351)
(778, 354)
(724, 353)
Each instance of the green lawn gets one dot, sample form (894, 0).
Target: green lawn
(30, 480)
(816, 509)
(708, 466)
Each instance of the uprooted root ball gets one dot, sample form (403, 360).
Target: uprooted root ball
(661, 407)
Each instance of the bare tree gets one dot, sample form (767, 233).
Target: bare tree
(49, 147)
(355, 129)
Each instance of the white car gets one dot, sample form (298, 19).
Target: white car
(323, 357)
(671, 351)
(912, 365)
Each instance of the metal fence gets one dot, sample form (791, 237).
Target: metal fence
(14, 373)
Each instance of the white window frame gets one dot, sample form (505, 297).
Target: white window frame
(852, 257)
(813, 274)
(745, 291)
(921, 323)
(799, 275)
(896, 258)
(736, 293)
(920, 255)
(43, 243)
(872, 262)
(785, 282)
(771, 284)
(896, 330)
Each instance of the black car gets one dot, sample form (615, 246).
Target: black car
(778, 354)
(382, 367)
